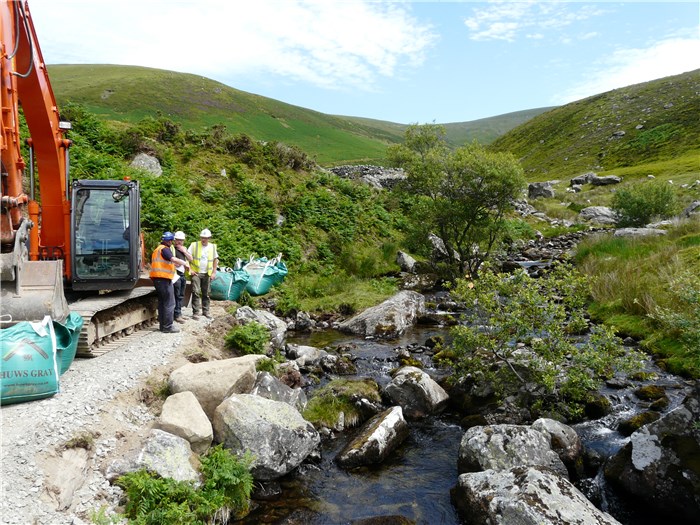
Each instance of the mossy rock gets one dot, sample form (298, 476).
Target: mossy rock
(660, 404)
(631, 425)
(650, 392)
(410, 361)
(597, 406)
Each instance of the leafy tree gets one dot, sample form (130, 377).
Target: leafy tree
(639, 204)
(462, 196)
(520, 331)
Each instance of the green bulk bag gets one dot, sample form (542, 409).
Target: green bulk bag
(28, 365)
(67, 336)
(228, 285)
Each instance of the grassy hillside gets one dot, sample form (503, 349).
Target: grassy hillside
(637, 125)
(130, 93)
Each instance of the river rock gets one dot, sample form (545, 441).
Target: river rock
(500, 447)
(659, 465)
(416, 392)
(213, 381)
(375, 440)
(527, 495)
(406, 262)
(562, 438)
(274, 432)
(169, 456)
(182, 415)
(268, 386)
(305, 356)
(276, 326)
(388, 319)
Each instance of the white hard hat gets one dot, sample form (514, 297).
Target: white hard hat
(205, 233)
(180, 235)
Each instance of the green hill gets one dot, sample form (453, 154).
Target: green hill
(637, 125)
(130, 93)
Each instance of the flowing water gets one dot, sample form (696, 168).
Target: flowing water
(415, 481)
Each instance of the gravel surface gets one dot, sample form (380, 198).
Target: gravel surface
(98, 396)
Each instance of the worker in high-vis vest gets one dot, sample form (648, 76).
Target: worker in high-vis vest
(205, 260)
(163, 274)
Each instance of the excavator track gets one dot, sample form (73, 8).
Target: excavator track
(110, 318)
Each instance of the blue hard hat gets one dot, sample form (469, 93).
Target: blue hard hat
(167, 236)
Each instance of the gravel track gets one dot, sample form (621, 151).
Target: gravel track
(99, 396)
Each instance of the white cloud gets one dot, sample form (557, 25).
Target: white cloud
(507, 20)
(330, 44)
(625, 67)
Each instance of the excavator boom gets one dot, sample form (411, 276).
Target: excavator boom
(83, 234)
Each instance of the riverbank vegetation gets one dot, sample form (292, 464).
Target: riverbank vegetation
(525, 331)
(649, 288)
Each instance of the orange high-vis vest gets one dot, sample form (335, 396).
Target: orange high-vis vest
(160, 268)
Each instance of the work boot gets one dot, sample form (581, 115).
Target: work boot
(196, 317)
(208, 315)
(171, 330)
(180, 320)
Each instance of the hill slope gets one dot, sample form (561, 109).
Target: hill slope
(130, 93)
(636, 125)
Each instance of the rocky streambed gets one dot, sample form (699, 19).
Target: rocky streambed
(410, 455)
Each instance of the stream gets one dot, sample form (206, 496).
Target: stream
(413, 485)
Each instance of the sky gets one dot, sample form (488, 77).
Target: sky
(401, 61)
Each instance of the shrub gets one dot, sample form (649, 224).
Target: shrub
(510, 309)
(639, 204)
(226, 488)
(250, 338)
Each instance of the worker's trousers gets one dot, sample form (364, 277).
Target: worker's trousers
(166, 302)
(200, 293)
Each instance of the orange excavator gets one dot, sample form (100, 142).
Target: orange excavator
(65, 245)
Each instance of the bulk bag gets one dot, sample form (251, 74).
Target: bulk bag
(28, 366)
(228, 285)
(67, 336)
(264, 274)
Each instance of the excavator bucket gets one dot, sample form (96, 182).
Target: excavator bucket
(36, 292)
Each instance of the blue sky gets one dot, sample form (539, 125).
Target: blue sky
(406, 62)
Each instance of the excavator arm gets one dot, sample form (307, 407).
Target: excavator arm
(25, 83)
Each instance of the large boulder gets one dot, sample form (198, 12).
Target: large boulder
(146, 162)
(388, 319)
(639, 232)
(416, 392)
(660, 466)
(406, 262)
(182, 415)
(535, 190)
(531, 495)
(273, 432)
(213, 381)
(276, 326)
(376, 440)
(595, 180)
(501, 447)
(598, 214)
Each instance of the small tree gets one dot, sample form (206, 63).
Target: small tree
(639, 204)
(462, 196)
(519, 331)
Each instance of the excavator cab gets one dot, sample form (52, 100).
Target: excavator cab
(105, 242)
